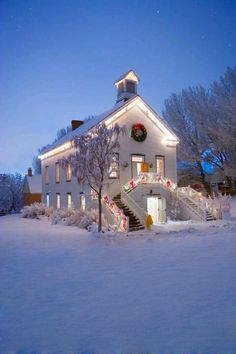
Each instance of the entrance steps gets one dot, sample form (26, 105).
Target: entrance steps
(206, 214)
(134, 222)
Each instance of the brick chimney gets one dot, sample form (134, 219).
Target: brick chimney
(76, 124)
(30, 172)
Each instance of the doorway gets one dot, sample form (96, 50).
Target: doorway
(137, 161)
(156, 207)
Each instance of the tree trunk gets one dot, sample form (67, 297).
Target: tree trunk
(100, 210)
(207, 185)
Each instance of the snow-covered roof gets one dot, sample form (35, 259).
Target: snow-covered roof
(34, 183)
(87, 125)
(107, 114)
(131, 74)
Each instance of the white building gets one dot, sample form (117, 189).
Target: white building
(136, 194)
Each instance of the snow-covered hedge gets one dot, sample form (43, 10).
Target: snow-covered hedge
(34, 211)
(70, 217)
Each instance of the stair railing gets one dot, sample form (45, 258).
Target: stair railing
(133, 206)
(149, 178)
(201, 202)
(196, 208)
(116, 214)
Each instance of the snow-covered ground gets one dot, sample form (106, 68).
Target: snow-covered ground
(64, 290)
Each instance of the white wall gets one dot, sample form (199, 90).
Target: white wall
(152, 146)
(63, 187)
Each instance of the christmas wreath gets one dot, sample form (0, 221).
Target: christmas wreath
(138, 132)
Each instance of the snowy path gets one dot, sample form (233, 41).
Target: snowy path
(63, 290)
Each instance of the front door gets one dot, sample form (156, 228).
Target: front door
(137, 161)
(156, 207)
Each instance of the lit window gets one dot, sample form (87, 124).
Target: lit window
(47, 199)
(46, 174)
(57, 172)
(58, 200)
(137, 161)
(114, 168)
(82, 202)
(68, 173)
(69, 201)
(160, 165)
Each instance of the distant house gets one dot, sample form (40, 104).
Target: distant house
(32, 191)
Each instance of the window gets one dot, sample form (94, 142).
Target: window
(47, 200)
(160, 165)
(82, 202)
(114, 168)
(69, 201)
(46, 176)
(68, 173)
(130, 86)
(58, 200)
(57, 172)
(137, 161)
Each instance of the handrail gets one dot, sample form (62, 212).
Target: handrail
(202, 202)
(198, 210)
(117, 214)
(150, 177)
(130, 202)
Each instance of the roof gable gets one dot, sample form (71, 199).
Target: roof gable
(33, 184)
(129, 75)
(110, 117)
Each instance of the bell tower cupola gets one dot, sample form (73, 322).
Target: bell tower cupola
(127, 86)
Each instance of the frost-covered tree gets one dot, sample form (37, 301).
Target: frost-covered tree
(184, 114)
(93, 158)
(220, 125)
(36, 163)
(205, 122)
(62, 132)
(11, 192)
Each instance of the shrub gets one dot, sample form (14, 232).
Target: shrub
(34, 211)
(83, 219)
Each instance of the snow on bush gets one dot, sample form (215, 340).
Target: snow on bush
(34, 211)
(83, 219)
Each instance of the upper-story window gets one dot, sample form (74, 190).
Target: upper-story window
(68, 173)
(57, 172)
(114, 168)
(160, 165)
(136, 161)
(46, 176)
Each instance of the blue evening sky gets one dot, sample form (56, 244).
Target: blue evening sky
(59, 60)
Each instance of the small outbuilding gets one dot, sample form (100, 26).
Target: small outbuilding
(32, 191)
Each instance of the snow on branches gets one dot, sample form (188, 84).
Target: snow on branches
(93, 157)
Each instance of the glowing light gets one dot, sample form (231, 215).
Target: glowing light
(56, 150)
(171, 142)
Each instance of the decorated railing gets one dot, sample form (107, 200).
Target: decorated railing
(132, 205)
(117, 214)
(149, 177)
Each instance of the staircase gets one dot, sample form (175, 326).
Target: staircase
(203, 213)
(134, 222)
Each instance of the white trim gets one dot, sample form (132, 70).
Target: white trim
(56, 150)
